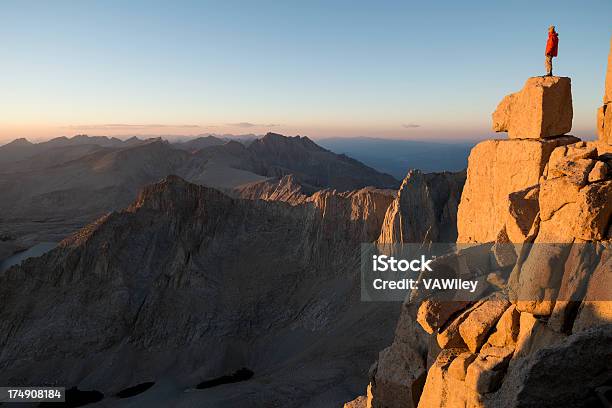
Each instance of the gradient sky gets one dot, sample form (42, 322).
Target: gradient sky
(405, 69)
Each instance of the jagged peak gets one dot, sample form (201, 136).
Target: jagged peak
(173, 193)
(288, 179)
(414, 175)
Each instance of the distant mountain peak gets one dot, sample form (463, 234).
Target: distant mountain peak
(199, 143)
(22, 141)
(272, 135)
(173, 195)
(83, 136)
(314, 165)
(278, 140)
(235, 144)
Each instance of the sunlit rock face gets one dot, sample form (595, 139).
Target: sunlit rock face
(491, 352)
(496, 169)
(549, 309)
(543, 108)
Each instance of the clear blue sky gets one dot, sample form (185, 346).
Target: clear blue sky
(407, 69)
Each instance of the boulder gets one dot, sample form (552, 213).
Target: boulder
(497, 168)
(539, 278)
(568, 211)
(580, 264)
(476, 327)
(397, 380)
(442, 389)
(458, 368)
(533, 336)
(543, 108)
(577, 171)
(603, 149)
(450, 337)
(562, 155)
(569, 207)
(433, 314)
(507, 329)
(485, 374)
(596, 309)
(599, 172)
(573, 161)
(399, 377)
(503, 352)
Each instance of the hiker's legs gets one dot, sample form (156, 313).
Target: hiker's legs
(548, 65)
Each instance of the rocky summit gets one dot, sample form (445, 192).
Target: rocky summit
(543, 108)
(537, 210)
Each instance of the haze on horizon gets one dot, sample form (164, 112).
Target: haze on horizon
(388, 69)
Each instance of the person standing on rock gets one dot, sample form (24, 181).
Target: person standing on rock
(552, 46)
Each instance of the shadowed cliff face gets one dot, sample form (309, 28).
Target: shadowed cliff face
(425, 209)
(366, 207)
(189, 284)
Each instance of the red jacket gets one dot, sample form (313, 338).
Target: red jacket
(552, 44)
